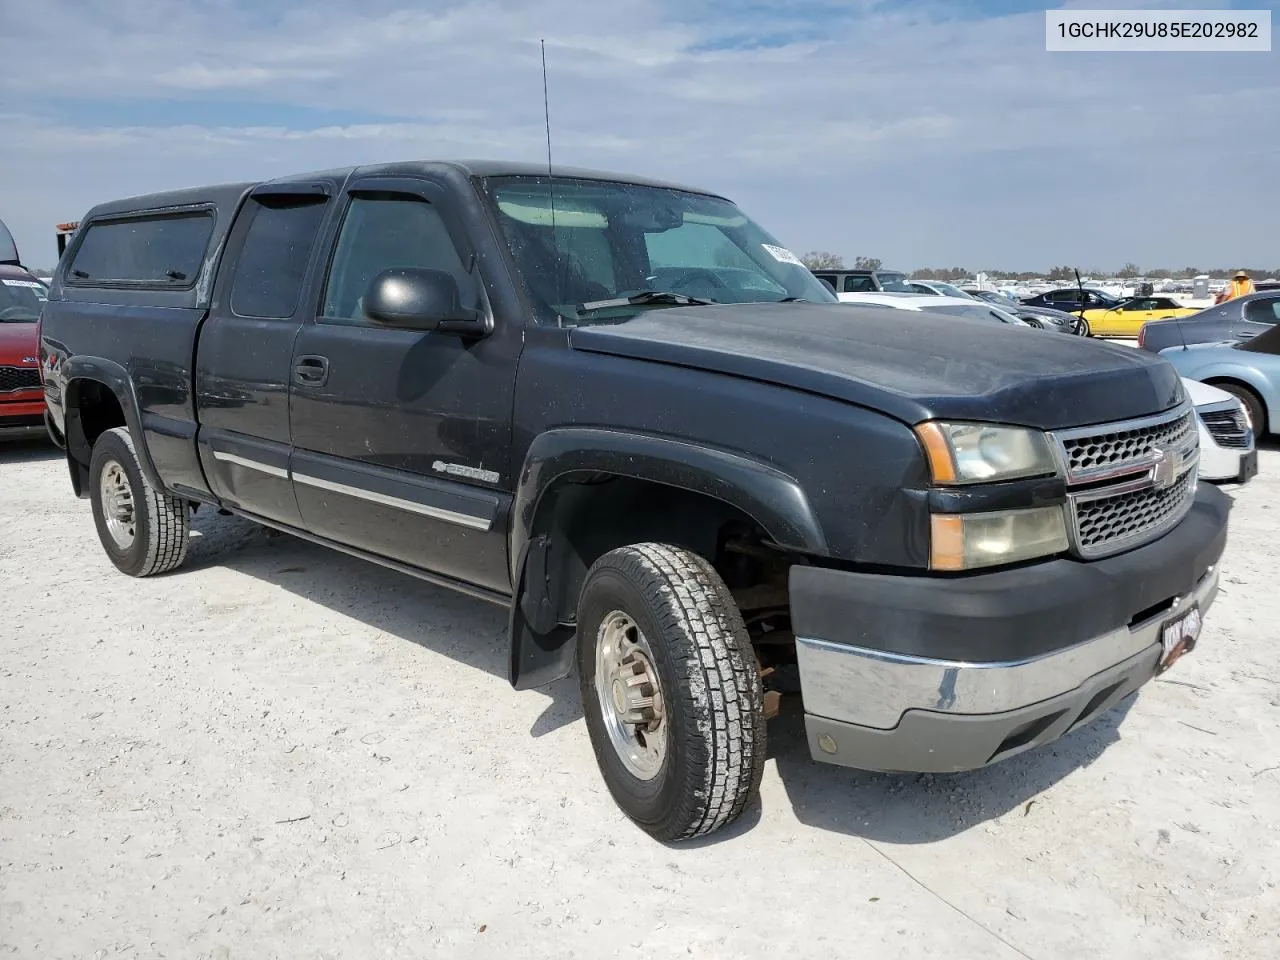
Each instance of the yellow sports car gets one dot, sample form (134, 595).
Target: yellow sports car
(1126, 318)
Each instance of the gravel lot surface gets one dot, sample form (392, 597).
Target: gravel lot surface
(283, 752)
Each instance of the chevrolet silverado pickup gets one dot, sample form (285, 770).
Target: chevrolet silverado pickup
(629, 415)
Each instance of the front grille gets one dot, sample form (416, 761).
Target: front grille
(1108, 524)
(1106, 451)
(1228, 428)
(1129, 482)
(19, 378)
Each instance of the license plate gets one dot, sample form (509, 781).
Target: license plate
(1178, 636)
(1248, 466)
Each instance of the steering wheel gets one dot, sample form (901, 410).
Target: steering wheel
(710, 277)
(17, 313)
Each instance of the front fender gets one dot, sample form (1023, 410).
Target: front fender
(541, 648)
(1251, 375)
(763, 492)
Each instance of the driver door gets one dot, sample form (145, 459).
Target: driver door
(402, 437)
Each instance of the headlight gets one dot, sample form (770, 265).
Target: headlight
(977, 452)
(965, 541)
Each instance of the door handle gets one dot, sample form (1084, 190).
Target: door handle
(311, 371)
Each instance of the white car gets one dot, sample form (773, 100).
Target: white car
(1226, 435)
(958, 306)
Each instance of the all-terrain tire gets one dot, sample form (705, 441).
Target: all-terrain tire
(710, 688)
(161, 524)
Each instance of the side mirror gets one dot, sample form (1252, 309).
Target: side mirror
(419, 299)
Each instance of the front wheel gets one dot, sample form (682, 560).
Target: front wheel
(671, 690)
(1254, 408)
(143, 530)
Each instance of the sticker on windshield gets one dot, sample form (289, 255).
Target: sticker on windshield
(782, 254)
(36, 288)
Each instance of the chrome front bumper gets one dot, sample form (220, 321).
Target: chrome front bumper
(885, 711)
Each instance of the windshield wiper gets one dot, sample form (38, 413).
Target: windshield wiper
(646, 298)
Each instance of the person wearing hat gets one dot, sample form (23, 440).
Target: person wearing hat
(1239, 286)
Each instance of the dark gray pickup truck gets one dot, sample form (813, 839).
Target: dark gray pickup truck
(623, 411)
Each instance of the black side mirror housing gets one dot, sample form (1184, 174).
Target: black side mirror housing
(417, 298)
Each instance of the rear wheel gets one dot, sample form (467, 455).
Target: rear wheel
(671, 690)
(1253, 405)
(143, 530)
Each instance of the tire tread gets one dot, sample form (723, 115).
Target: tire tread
(719, 675)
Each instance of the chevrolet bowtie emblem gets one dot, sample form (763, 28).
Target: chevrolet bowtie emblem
(1164, 472)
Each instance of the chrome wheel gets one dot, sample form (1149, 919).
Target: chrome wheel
(630, 696)
(117, 504)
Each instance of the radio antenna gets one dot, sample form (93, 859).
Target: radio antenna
(551, 182)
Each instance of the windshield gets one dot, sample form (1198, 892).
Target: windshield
(21, 300)
(894, 282)
(613, 240)
(948, 290)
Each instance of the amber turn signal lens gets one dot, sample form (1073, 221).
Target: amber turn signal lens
(937, 450)
(946, 542)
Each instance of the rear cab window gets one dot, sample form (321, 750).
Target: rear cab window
(272, 263)
(165, 250)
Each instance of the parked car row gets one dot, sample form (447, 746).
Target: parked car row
(21, 297)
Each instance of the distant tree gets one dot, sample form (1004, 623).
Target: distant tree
(822, 260)
(866, 263)
(1062, 273)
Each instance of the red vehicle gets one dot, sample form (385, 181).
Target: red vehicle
(21, 297)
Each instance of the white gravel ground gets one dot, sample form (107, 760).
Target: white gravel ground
(283, 752)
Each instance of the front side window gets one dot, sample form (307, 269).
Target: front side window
(579, 243)
(272, 265)
(164, 250)
(382, 231)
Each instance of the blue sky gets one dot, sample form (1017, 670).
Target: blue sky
(924, 132)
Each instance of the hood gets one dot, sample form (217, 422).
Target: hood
(912, 365)
(17, 342)
(1050, 312)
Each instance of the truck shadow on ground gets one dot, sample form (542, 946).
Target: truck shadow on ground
(469, 631)
(35, 450)
(895, 808)
(921, 808)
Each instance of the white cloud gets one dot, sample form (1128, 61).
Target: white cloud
(903, 134)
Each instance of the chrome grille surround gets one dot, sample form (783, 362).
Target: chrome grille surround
(1128, 482)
